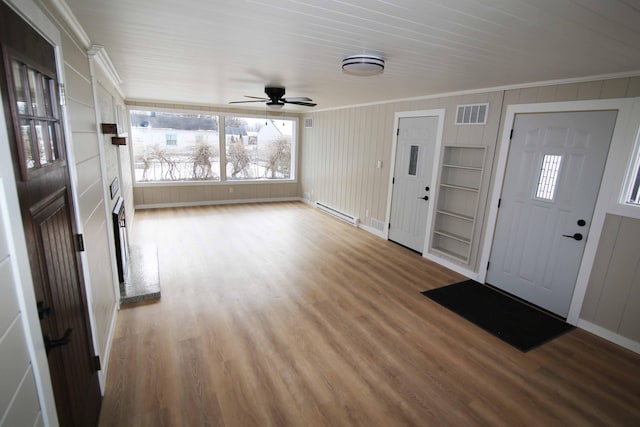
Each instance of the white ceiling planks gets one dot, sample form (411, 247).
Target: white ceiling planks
(214, 51)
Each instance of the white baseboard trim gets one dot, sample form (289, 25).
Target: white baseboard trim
(104, 358)
(609, 335)
(372, 230)
(452, 266)
(216, 202)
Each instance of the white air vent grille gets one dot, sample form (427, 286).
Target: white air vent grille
(472, 114)
(308, 123)
(377, 224)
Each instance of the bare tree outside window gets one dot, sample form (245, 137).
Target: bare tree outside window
(175, 147)
(277, 155)
(259, 149)
(237, 157)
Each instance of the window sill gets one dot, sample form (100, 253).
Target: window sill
(213, 183)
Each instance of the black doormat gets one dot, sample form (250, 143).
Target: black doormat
(514, 322)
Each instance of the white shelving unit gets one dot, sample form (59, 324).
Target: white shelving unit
(457, 205)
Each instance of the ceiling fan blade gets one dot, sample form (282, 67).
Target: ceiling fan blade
(306, 104)
(297, 99)
(257, 97)
(244, 102)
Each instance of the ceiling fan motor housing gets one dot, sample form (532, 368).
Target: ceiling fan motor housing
(274, 93)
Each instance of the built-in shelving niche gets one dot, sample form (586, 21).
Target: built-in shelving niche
(457, 204)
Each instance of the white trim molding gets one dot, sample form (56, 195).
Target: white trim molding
(71, 21)
(102, 58)
(610, 336)
(611, 179)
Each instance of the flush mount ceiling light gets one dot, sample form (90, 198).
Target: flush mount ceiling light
(363, 65)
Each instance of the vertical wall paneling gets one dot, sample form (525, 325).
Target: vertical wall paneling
(356, 185)
(613, 295)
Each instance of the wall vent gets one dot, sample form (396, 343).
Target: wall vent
(338, 214)
(472, 114)
(308, 123)
(377, 224)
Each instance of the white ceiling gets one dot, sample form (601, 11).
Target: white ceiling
(215, 51)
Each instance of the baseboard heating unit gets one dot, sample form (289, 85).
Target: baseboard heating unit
(338, 214)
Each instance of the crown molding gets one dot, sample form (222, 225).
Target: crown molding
(99, 54)
(63, 9)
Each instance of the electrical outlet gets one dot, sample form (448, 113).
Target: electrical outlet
(366, 213)
(230, 189)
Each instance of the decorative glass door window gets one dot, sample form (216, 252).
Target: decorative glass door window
(39, 131)
(548, 178)
(413, 160)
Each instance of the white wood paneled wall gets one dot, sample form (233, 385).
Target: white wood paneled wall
(89, 185)
(19, 405)
(340, 152)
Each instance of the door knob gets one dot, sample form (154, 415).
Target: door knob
(50, 343)
(576, 236)
(424, 198)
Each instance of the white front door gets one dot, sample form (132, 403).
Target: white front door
(412, 181)
(553, 176)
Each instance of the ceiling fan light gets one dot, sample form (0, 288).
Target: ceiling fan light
(275, 106)
(363, 65)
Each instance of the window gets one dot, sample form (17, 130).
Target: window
(258, 149)
(172, 146)
(548, 177)
(38, 136)
(632, 195)
(159, 157)
(172, 138)
(413, 160)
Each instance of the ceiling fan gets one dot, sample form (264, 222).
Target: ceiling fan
(275, 98)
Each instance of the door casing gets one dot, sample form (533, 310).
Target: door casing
(32, 14)
(612, 177)
(439, 113)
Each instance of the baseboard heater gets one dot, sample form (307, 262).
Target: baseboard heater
(338, 214)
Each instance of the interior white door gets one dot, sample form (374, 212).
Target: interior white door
(553, 177)
(412, 181)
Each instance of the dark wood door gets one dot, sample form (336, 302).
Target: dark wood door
(32, 112)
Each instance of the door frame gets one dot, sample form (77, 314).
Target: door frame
(612, 178)
(34, 16)
(439, 114)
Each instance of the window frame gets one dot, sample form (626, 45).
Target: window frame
(222, 115)
(632, 173)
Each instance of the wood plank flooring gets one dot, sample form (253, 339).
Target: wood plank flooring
(277, 314)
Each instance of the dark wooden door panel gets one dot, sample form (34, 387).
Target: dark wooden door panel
(29, 92)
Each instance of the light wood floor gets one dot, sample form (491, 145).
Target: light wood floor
(277, 314)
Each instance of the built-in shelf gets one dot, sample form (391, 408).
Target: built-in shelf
(457, 215)
(473, 168)
(457, 204)
(452, 236)
(459, 187)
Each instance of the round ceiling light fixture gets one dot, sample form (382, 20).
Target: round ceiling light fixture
(363, 65)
